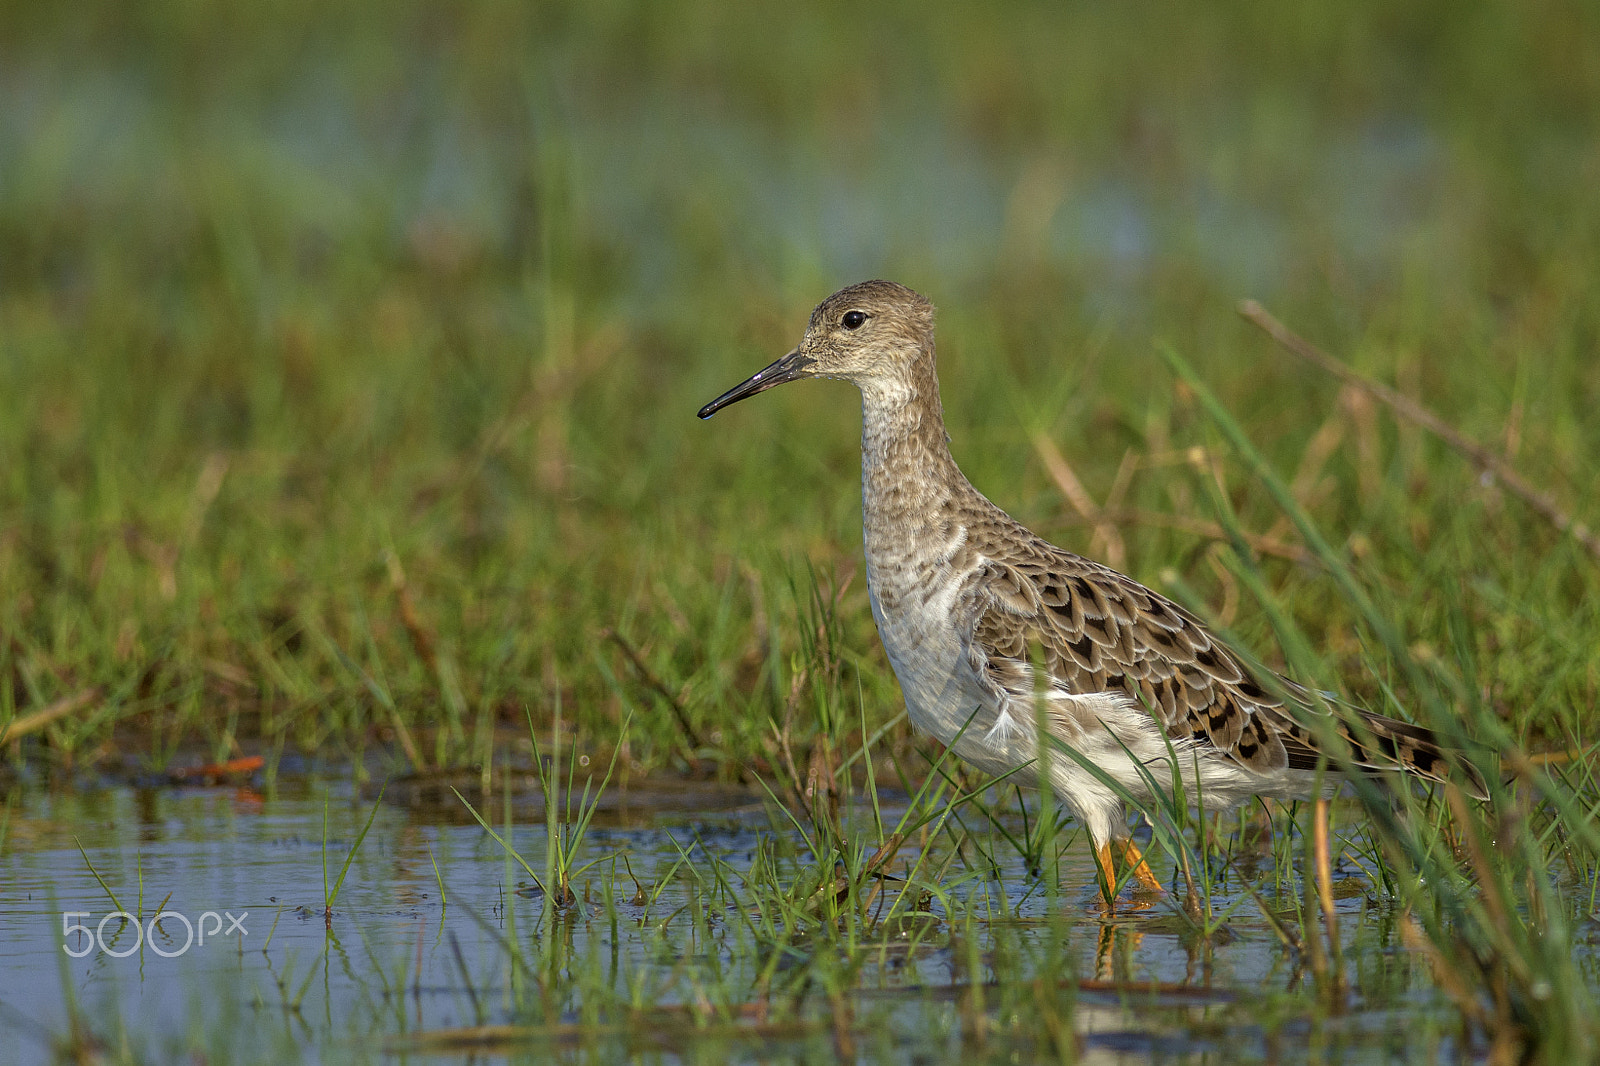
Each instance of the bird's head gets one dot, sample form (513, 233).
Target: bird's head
(871, 333)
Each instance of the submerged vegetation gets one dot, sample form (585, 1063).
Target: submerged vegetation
(348, 370)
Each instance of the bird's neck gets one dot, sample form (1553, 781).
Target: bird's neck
(909, 481)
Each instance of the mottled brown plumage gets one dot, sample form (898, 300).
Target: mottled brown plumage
(967, 600)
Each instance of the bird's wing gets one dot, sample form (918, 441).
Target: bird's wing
(1097, 630)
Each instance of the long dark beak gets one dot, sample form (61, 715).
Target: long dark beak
(788, 368)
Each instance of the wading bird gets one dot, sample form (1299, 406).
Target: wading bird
(968, 602)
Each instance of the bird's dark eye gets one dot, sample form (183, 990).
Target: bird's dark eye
(853, 319)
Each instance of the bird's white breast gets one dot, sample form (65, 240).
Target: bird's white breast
(914, 604)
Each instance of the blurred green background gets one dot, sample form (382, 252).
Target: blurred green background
(349, 353)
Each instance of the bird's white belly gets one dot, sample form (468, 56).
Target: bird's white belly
(925, 652)
(930, 660)
(995, 734)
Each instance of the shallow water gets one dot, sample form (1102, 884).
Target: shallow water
(400, 972)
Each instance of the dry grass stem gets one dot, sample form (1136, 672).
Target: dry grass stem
(1107, 537)
(656, 685)
(1305, 485)
(421, 638)
(23, 724)
(1324, 874)
(1200, 527)
(1484, 458)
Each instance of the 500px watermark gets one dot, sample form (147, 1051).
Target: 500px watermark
(89, 938)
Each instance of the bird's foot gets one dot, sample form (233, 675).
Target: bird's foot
(1131, 857)
(1141, 869)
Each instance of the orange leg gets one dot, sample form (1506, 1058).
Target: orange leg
(1141, 869)
(1102, 855)
(1131, 856)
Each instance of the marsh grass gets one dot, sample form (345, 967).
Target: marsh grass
(317, 480)
(565, 827)
(330, 892)
(1480, 883)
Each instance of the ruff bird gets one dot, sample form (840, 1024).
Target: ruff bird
(995, 634)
